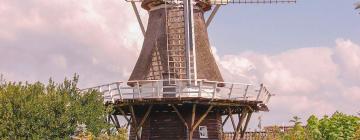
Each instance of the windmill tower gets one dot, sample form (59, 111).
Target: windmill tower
(176, 90)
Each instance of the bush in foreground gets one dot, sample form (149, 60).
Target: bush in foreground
(53, 111)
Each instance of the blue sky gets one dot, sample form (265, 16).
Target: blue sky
(273, 28)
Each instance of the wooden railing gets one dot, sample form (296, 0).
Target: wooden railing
(180, 88)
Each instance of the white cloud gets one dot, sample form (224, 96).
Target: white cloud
(307, 81)
(347, 57)
(97, 39)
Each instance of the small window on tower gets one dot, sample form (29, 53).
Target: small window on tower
(203, 132)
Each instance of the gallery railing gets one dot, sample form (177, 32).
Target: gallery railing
(181, 88)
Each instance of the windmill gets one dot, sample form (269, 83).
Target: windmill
(176, 90)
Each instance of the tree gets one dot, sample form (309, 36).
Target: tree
(297, 132)
(36, 111)
(312, 128)
(339, 126)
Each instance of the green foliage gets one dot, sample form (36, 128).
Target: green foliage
(357, 134)
(36, 111)
(337, 127)
(312, 128)
(297, 132)
(121, 134)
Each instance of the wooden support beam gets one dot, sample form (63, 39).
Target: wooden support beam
(246, 124)
(195, 125)
(134, 121)
(111, 119)
(143, 120)
(124, 115)
(202, 118)
(213, 13)
(133, 114)
(193, 113)
(114, 120)
(138, 17)
(232, 119)
(180, 116)
(148, 111)
(241, 120)
(127, 126)
(222, 126)
(191, 133)
(117, 123)
(225, 120)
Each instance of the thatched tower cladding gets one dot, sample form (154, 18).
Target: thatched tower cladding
(153, 60)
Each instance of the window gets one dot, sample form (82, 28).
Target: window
(203, 132)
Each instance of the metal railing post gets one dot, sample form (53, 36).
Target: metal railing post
(158, 89)
(153, 89)
(200, 88)
(268, 99)
(260, 90)
(118, 86)
(178, 88)
(246, 90)
(138, 88)
(214, 93)
(111, 95)
(231, 89)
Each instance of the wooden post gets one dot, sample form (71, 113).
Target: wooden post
(180, 116)
(192, 121)
(117, 124)
(110, 119)
(225, 120)
(202, 118)
(123, 114)
(134, 121)
(208, 21)
(241, 120)
(127, 126)
(143, 120)
(195, 125)
(246, 124)
(138, 17)
(232, 119)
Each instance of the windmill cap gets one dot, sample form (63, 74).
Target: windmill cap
(149, 4)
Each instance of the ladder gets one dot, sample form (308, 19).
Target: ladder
(177, 61)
